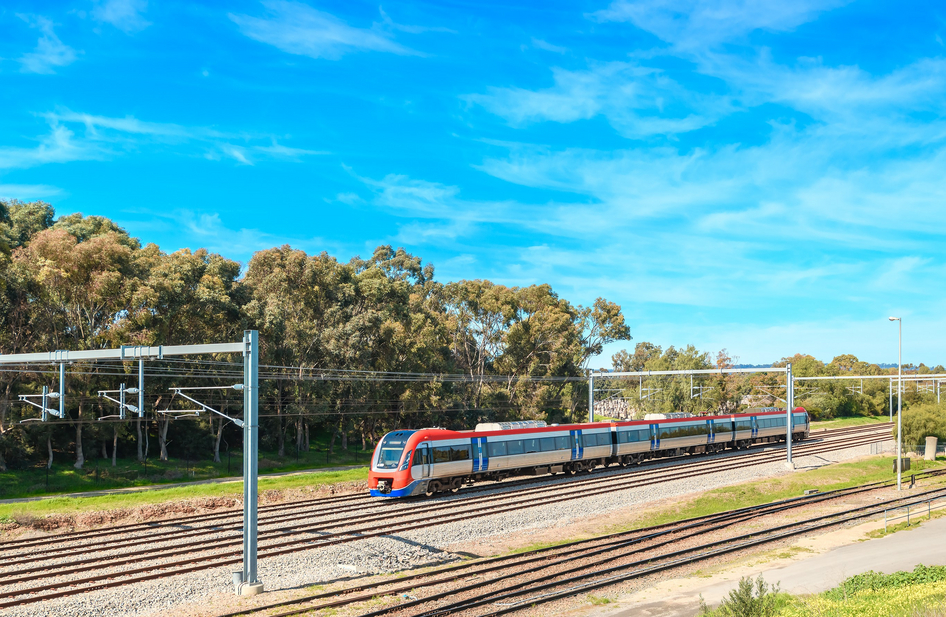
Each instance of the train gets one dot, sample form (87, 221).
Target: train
(408, 463)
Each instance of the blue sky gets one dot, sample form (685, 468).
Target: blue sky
(766, 177)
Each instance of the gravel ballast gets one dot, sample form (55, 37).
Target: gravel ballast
(195, 593)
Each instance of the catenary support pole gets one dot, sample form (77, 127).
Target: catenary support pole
(591, 397)
(790, 404)
(141, 388)
(890, 389)
(62, 390)
(899, 402)
(251, 585)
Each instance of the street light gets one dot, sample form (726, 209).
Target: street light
(899, 396)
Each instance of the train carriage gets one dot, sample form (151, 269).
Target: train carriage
(428, 461)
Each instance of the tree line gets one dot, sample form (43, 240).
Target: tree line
(81, 282)
(349, 350)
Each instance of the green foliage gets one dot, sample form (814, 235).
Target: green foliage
(749, 599)
(922, 421)
(80, 282)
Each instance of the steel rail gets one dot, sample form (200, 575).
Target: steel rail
(219, 559)
(578, 488)
(611, 540)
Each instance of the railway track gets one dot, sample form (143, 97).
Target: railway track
(554, 573)
(111, 558)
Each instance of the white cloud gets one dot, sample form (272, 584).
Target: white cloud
(103, 136)
(701, 24)
(28, 192)
(126, 15)
(50, 52)
(299, 29)
(545, 45)
(638, 101)
(58, 146)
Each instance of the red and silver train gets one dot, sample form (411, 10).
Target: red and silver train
(433, 460)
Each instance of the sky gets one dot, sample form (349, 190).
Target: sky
(765, 177)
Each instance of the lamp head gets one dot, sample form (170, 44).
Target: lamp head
(894, 318)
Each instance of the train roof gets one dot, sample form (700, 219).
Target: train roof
(442, 433)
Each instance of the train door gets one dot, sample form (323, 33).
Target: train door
(480, 454)
(710, 434)
(755, 426)
(423, 458)
(654, 437)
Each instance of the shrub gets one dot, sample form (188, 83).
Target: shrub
(748, 599)
(922, 421)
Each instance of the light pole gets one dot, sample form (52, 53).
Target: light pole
(899, 396)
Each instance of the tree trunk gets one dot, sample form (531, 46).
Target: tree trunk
(104, 449)
(306, 424)
(331, 444)
(218, 440)
(141, 456)
(345, 438)
(80, 457)
(115, 446)
(163, 437)
(147, 443)
(49, 446)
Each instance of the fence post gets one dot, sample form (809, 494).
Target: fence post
(885, 521)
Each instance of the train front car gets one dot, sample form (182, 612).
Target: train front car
(390, 474)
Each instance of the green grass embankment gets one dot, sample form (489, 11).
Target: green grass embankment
(119, 500)
(845, 422)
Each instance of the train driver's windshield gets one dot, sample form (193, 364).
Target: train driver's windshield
(392, 446)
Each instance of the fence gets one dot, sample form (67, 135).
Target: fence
(915, 506)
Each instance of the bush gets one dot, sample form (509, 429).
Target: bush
(922, 421)
(749, 600)
(875, 581)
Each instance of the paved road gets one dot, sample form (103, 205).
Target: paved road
(900, 551)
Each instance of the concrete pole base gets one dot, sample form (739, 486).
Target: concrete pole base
(251, 589)
(790, 465)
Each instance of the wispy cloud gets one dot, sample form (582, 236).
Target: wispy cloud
(28, 192)
(299, 29)
(58, 146)
(411, 29)
(546, 46)
(50, 52)
(101, 137)
(702, 24)
(638, 101)
(126, 15)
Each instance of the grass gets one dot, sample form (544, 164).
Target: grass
(99, 474)
(599, 600)
(920, 593)
(111, 501)
(760, 492)
(853, 421)
(827, 478)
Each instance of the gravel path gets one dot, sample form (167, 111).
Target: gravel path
(194, 593)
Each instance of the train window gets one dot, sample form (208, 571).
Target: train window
(604, 439)
(624, 436)
(514, 447)
(547, 444)
(530, 445)
(561, 443)
(497, 448)
(577, 442)
(643, 435)
(447, 454)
